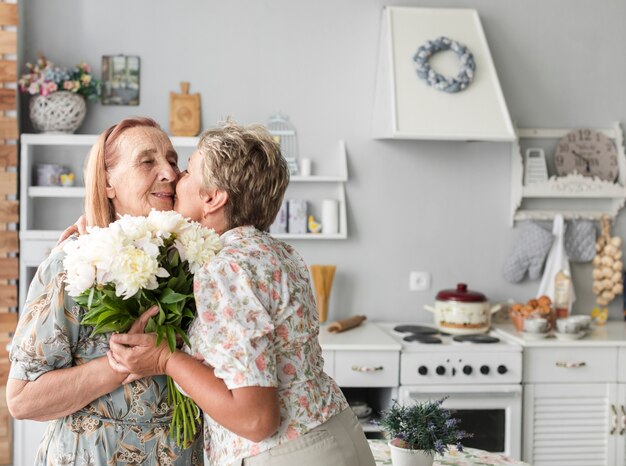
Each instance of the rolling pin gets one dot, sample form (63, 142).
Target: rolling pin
(345, 324)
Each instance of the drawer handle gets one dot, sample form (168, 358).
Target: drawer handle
(613, 420)
(623, 426)
(571, 365)
(367, 369)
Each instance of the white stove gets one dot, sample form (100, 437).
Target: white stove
(481, 381)
(449, 361)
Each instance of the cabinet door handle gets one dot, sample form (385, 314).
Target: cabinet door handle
(367, 369)
(623, 426)
(571, 365)
(613, 420)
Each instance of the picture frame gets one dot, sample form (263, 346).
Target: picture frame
(120, 79)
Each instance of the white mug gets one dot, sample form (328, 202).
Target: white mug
(536, 325)
(568, 325)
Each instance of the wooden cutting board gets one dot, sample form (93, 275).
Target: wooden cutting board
(184, 112)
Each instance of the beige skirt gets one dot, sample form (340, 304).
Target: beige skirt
(340, 441)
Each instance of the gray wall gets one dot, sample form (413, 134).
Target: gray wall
(413, 205)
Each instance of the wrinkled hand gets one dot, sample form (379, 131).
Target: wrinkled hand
(79, 227)
(136, 353)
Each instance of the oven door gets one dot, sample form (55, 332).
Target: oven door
(493, 413)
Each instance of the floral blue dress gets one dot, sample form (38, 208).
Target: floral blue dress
(129, 425)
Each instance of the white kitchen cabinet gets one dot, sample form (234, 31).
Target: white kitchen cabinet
(570, 424)
(365, 363)
(574, 406)
(573, 196)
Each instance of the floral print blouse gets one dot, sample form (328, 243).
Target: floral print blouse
(127, 426)
(257, 325)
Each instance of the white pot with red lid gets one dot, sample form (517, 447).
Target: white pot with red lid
(462, 311)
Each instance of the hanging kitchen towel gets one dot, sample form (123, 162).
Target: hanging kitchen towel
(580, 240)
(528, 254)
(557, 261)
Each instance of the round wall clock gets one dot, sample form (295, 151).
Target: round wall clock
(588, 152)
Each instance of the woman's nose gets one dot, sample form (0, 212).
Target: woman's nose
(167, 172)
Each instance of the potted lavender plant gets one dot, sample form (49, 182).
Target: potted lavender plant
(419, 431)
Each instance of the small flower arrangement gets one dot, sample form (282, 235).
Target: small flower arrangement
(44, 78)
(426, 426)
(118, 272)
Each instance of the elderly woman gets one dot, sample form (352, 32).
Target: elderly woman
(255, 366)
(58, 369)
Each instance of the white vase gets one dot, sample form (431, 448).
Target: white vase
(59, 112)
(407, 457)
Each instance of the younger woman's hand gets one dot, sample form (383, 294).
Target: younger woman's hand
(136, 329)
(138, 354)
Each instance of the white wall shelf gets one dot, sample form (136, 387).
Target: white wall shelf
(574, 195)
(56, 191)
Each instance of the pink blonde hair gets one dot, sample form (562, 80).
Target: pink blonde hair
(103, 157)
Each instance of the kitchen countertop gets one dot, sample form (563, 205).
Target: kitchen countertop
(612, 334)
(366, 337)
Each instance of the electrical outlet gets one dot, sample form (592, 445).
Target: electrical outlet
(419, 281)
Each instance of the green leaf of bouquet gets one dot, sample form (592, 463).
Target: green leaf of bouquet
(151, 325)
(90, 299)
(188, 312)
(174, 258)
(159, 332)
(171, 338)
(161, 316)
(91, 316)
(108, 328)
(183, 335)
(170, 296)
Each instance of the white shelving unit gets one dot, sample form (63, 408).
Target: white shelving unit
(45, 211)
(338, 181)
(573, 196)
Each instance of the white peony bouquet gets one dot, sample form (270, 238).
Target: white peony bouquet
(118, 272)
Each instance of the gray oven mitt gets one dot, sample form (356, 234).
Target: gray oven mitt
(529, 253)
(579, 240)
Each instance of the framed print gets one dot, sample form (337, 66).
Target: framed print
(120, 80)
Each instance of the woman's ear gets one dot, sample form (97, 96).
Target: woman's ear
(110, 191)
(213, 201)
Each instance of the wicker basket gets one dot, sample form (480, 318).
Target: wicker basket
(60, 112)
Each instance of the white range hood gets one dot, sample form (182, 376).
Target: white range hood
(406, 107)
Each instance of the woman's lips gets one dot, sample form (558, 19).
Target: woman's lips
(164, 195)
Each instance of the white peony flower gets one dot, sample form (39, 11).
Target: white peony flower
(133, 269)
(197, 245)
(166, 222)
(132, 228)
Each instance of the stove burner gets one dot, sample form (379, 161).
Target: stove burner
(416, 329)
(476, 339)
(422, 338)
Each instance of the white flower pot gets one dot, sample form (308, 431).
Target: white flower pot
(406, 457)
(60, 112)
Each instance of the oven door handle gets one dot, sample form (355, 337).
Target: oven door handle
(500, 394)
